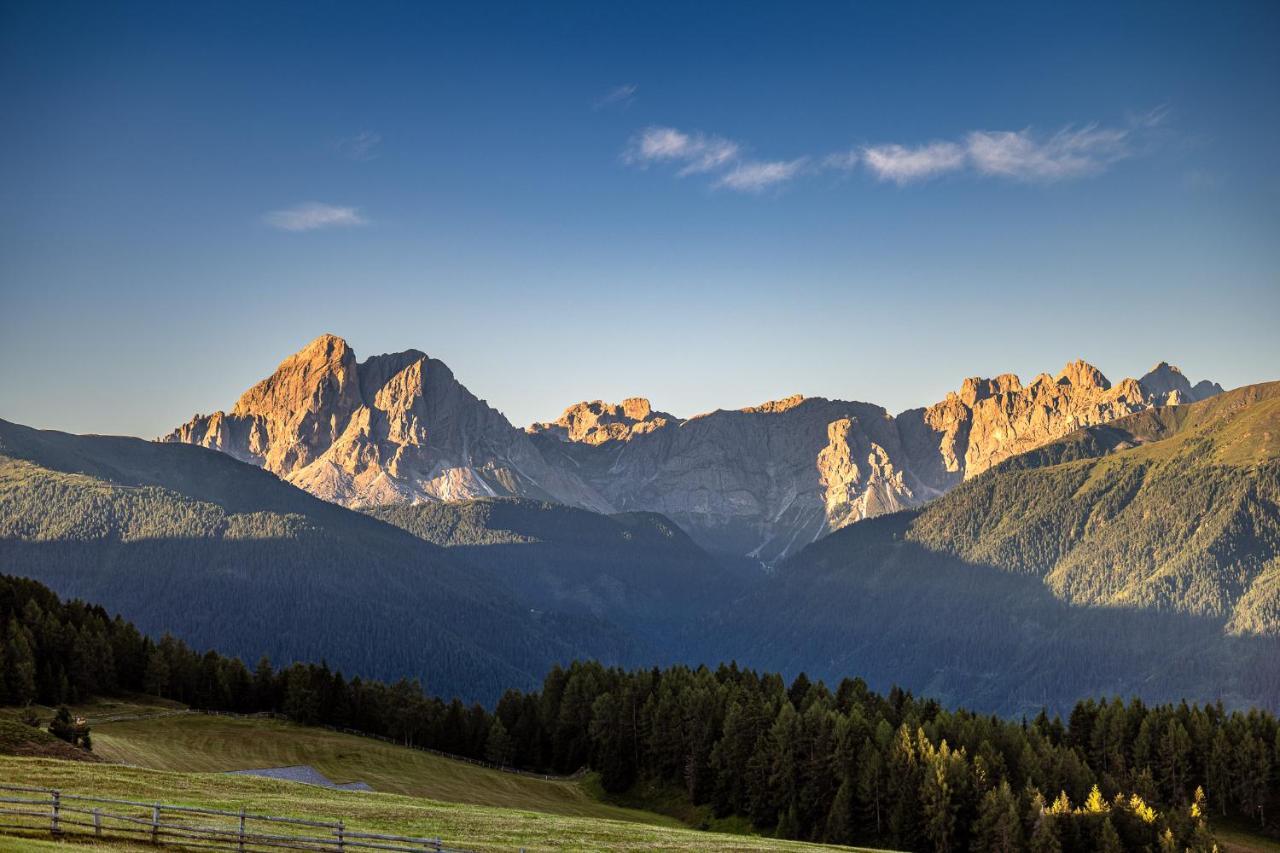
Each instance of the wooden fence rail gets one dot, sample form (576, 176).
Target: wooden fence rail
(40, 810)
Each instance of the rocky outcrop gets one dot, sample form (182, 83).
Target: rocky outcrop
(391, 429)
(988, 421)
(598, 422)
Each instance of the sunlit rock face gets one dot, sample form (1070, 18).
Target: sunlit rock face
(598, 422)
(763, 481)
(393, 428)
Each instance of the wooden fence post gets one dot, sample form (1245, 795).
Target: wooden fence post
(53, 813)
(242, 828)
(342, 841)
(155, 824)
(97, 821)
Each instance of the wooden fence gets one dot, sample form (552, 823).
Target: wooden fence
(41, 810)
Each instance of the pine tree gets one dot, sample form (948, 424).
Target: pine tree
(1095, 803)
(904, 776)
(20, 665)
(788, 823)
(156, 680)
(1044, 838)
(62, 726)
(937, 802)
(497, 747)
(840, 828)
(1173, 754)
(871, 792)
(1218, 771)
(998, 828)
(1108, 838)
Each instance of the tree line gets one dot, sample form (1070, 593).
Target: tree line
(798, 760)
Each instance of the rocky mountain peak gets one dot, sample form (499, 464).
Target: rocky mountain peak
(1167, 386)
(1082, 374)
(393, 428)
(377, 370)
(777, 406)
(597, 422)
(320, 375)
(636, 408)
(975, 388)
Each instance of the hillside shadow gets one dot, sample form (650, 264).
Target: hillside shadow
(894, 612)
(314, 599)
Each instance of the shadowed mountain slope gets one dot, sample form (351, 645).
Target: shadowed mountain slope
(638, 571)
(224, 554)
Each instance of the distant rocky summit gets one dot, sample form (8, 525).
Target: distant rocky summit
(390, 429)
(762, 481)
(598, 422)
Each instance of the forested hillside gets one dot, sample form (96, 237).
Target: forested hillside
(192, 542)
(1174, 509)
(637, 570)
(797, 760)
(1137, 557)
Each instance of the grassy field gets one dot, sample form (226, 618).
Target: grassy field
(1234, 839)
(469, 826)
(205, 744)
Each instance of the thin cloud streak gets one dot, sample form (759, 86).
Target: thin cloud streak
(903, 165)
(756, 177)
(620, 97)
(1069, 153)
(698, 152)
(313, 215)
(363, 146)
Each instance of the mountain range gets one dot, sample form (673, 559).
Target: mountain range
(1136, 557)
(763, 481)
(1136, 554)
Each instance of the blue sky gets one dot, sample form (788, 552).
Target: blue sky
(708, 204)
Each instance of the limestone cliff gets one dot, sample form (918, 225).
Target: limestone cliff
(391, 429)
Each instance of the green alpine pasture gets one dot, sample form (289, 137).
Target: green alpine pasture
(469, 826)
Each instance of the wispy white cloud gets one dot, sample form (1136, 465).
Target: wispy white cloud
(363, 146)
(619, 97)
(1069, 153)
(756, 176)
(903, 165)
(1020, 155)
(697, 152)
(312, 215)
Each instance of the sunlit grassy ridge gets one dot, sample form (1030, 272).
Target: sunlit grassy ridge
(469, 826)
